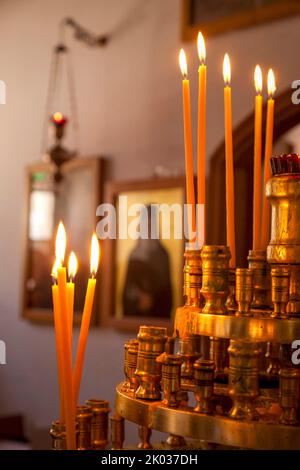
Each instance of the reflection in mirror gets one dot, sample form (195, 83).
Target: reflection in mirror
(74, 200)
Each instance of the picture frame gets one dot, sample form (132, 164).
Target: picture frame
(116, 267)
(213, 19)
(74, 200)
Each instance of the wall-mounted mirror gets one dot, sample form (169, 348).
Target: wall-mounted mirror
(74, 200)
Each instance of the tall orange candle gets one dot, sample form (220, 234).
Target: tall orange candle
(257, 160)
(86, 316)
(229, 175)
(72, 270)
(201, 139)
(268, 154)
(188, 145)
(68, 394)
(58, 340)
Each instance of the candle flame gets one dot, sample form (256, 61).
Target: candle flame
(183, 63)
(226, 70)
(271, 83)
(258, 79)
(95, 253)
(72, 265)
(55, 267)
(61, 242)
(201, 48)
(57, 117)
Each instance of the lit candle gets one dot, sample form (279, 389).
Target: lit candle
(257, 159)
(72, 270)
(201, 136)
(86, 316)
(59, 119)
(268, 154)
(230, 224)
(58, 339)
(68, 394)
(189, 166)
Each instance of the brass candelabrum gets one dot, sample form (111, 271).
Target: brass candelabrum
(245, 384)
(246, 387)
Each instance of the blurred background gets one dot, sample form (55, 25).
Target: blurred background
(129, 107)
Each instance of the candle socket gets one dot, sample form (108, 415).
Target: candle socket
(192, 278)
(170, 345)
(215, 268)
(218, 353)
(243, 379)
(261, 279)
(145, 435)
(58, 436)
(289, 383)
(244, 291)
(117, 430)
(280, 290)
(99, 427)
(170, 383)
(231, 303)
(189, 353)
(152, 342)
(204, 385)
(130, 362)
(84, 421)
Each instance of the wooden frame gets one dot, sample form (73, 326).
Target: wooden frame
(130, 324)
(237, 20)
(96, 164)
(287, 116)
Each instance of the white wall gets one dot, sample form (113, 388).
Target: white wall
(129, 98)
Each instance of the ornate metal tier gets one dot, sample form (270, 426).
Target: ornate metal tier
(211, 428)
(260, 327)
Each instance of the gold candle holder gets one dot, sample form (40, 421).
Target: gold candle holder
(189, 353)
(231, 302)
(152, 342)
(280, 290)
(170, 383)
(215, 268)
(261, 279)
(283, 192)
(215, 289)
(99, 426)
(243, 379)
(244, 291)
(289, 382)
(117, 430)
(192, 278)
(204, 385)
(218, 353)
(170, 345)
(84, 420)
(130, 362)
(58, 436)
